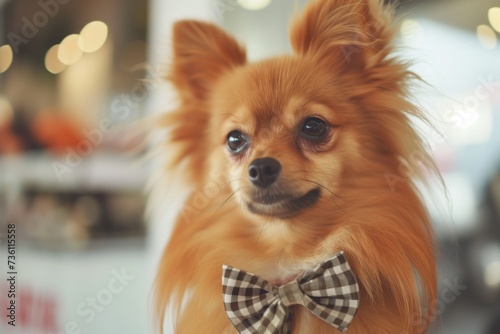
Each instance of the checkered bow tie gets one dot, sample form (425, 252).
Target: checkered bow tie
(330, 291)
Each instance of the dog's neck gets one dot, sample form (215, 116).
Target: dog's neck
(292, 249)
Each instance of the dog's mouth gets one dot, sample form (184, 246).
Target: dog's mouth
(282, 205)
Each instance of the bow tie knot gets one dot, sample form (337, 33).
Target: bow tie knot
(330, 291)
(290, 294)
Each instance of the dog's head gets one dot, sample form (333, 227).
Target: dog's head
(282, 124)
(295, 132)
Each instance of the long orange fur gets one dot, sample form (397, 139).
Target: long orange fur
(342, 68)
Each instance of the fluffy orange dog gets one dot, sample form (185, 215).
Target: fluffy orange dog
(305, 143)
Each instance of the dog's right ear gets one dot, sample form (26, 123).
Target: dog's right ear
(202, 53)
(354, 34)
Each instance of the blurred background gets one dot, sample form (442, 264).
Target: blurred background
(76, 76)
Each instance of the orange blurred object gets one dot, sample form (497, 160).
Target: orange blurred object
(56, 131)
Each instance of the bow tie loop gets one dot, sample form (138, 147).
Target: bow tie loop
(330, 291)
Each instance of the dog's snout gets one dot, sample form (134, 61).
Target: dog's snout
(264, 172)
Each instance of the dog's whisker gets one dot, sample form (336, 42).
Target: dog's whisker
(223, 203)
(262, 228)
(237, 179)
(305, 221)
(327, 189)
(331, 192)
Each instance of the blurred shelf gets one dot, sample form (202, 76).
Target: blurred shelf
(101, 171)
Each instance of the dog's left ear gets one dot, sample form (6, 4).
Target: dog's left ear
(351, 34)
(202, 53)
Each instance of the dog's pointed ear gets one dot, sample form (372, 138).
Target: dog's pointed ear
(352, 33)
(202, 53)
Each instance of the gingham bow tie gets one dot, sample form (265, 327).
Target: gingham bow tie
(330, 291)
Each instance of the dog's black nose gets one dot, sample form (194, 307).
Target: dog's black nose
(263, 172)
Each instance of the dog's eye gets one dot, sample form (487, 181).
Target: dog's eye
(314, 128)
(236, 141)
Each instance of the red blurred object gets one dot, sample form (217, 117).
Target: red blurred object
(36, 311)
(56, 131)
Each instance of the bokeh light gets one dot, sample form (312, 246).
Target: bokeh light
(69, 52)
(52, 62)
(93, 36)
(254, 4)
(494, 17)
(6, 57)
